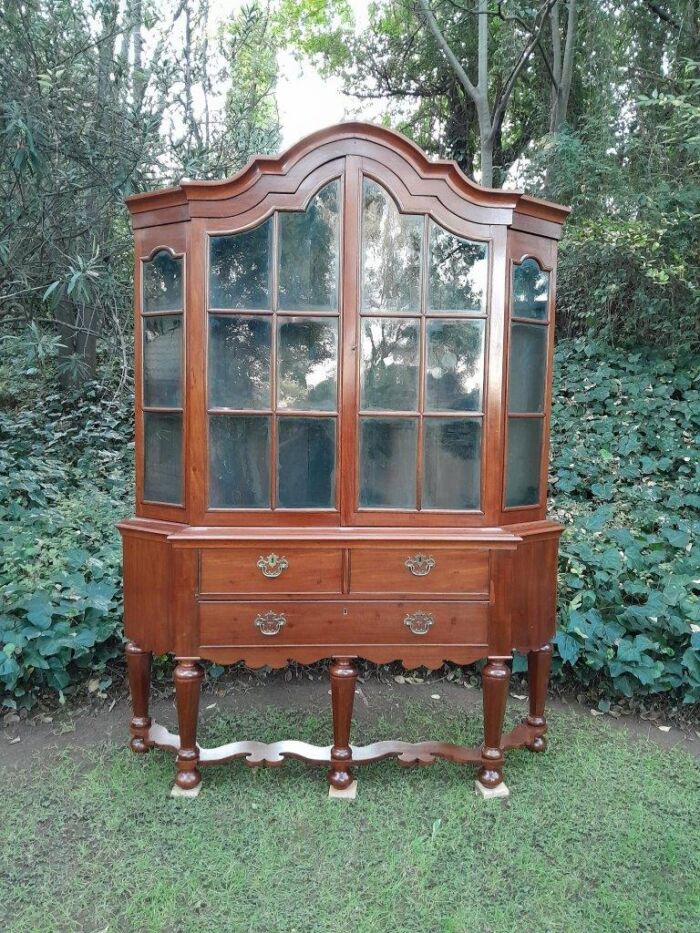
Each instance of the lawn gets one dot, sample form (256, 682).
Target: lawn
(601, 833)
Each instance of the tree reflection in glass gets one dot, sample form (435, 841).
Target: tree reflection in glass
(458, 273)
(307, 353)
(239, 361)
(388, 463)
(389, 367)
(239, 269)
(530, 290)
(162, 361)
(309, 250)
(391, 253)
(451, 463)
(162, 283)
(239, 462)
(306, 463)
(455, 365)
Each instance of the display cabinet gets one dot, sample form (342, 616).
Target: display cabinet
(343, 362)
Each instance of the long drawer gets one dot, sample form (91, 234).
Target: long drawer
(343, 623)
(277, 572)
(406, 570)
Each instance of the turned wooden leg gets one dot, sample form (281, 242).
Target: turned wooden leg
(343, 680)
(494, 678)
(188, 679)
(138, 665)
(538, 665)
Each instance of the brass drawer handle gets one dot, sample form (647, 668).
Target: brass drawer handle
(272, 565)
(419, 623)
(270, 623)
(420, 565)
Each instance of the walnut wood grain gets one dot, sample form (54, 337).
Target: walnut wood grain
(138, 665)
(188, 679)
(343, 674)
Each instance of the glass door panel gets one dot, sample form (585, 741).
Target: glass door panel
(273, 356)
(422, 343)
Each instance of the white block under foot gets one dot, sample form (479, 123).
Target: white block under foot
(347, 793)
(185, 792)
(489, 792)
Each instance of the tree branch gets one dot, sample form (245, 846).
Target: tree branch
(462, 76)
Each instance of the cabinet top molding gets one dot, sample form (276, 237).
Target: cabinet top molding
(363, 140)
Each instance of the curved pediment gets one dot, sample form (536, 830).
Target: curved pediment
(407, 171)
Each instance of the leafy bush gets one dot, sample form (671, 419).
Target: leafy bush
(625, 479)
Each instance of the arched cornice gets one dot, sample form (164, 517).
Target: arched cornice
(335, 142)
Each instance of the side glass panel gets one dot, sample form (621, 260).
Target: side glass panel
(239, 269)
(451, 463)
(530, 290)
(458, 273)
(306, 463)
(389, 364)
(454, 366)
(162, 449)
(388, 462)
(528, 368)
(307, 363)
(239, 361)
(162, 283)
(309, 254)
(523, 467)
(391, 253)
(162, 361)
(239, 462)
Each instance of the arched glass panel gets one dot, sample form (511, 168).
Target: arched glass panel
(162, 283)
(309, 254)
(530, 290)
(240, 269)
(458, 273)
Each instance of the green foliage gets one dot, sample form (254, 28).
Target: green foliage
(626, 482)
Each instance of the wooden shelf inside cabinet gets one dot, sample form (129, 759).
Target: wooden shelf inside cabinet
(343, 387)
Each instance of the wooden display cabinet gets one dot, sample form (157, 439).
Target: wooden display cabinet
(343, 370)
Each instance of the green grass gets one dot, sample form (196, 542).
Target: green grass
(601, 833)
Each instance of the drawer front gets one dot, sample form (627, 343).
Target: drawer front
(267, 570)
(343, 623)
(419, 570)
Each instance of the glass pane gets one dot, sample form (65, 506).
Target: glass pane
(388, 462)
(239, 361)
(162, 361)
(239, 462)
(458, 273)
(451, 463)
(391, 253)
(455, 365)
(162, 451)
(239, 269)
(307, 354)
(306, 463)
(528, 365)
(530, 290)
(523, 467)
(389, 369)
(162, 283)
(309, 249)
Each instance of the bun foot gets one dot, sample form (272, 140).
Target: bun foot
(341, 780)
(538, 744)
(188, 780)
(139, 745)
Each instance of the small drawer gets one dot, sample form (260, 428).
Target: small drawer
(408, 570)
(270, 570)
(342, 625)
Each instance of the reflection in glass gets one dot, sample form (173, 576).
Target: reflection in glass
(309, 248)
(451, 463)
(239, 462)
(305, 463)
(454, 365)
(162, 283)
(530, 290)
(458, 273)
(389, 364)
(307, 353)
(523, 467)
(239, 361)
(162, 453)
(239, 269)
(391, 253)
(162, 361)
(388, 462)
(527, 368)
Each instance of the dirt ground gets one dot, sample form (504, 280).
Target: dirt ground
(106, 719)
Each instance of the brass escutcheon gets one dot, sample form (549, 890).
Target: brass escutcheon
(420, 564)
(419, 623)
(272, 565)
(270, 623)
